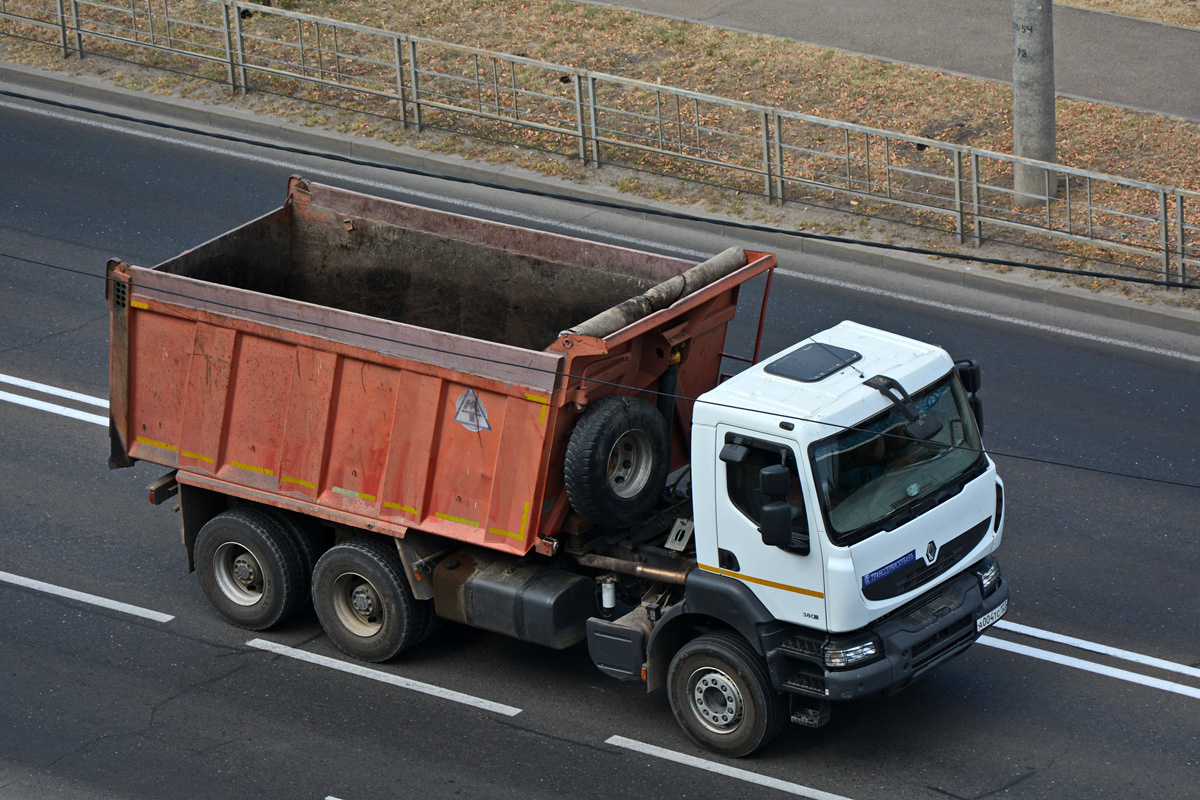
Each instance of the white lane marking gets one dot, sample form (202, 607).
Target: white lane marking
(384, 677)
(593, 232)
(721, 769)
(1088, 666)
(1103, 649)
(83, 597)
(53, 409)
(46, 388)
(1040, 326)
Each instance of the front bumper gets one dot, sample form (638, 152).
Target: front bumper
(922, 635)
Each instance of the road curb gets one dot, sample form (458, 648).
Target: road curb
(235, 120)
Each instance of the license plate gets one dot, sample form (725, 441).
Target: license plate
(991, 617)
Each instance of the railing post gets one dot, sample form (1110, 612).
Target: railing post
(887, 164)
(516, 111)
(1180, 238)
(75, 25)
(779, 182)
(1165, 234)
(337, 59)
(400, 84)
(658, 119)
(975, 200)
(300, 47)
(62, 27)
(478, 84)
(579, 124)
(414, 81)
(167, 15)
(1091, 220)
(959, 206)
(241, 48)
(849, 173)
(766, 154)
(229, 46)
(593, 131)
(1070, 215)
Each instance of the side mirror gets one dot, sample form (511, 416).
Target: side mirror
(775, 481)
(969, 374)
(776, 529)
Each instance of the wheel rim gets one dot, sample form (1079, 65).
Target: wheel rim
(716, 700)
(238, 573)
(629, 463)
(357, 605)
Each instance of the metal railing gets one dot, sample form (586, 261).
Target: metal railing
(601, 119)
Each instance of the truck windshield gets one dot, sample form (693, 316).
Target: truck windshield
(875, 476)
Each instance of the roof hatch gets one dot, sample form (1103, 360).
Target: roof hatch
(812, 362)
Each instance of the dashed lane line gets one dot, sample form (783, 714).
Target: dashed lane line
(62, 411)
(45, 388)
(384, 677)
(722, 769)
(1089, 666)
(1102, 649)
(83, 597)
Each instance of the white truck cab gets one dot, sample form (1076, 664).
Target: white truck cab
(844, 503)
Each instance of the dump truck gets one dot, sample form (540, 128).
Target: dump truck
(405, 416)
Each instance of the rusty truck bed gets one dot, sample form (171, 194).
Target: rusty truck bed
(389, 366)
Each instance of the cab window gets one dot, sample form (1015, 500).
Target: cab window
(744, 460)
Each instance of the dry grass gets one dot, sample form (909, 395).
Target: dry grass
(785, 74)
(758, 69)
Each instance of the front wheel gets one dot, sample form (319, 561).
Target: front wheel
(721, 693)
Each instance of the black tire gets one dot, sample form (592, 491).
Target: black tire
(721, 693)
(364, 602)
(617, 461)
(308, 537)
(250, 569)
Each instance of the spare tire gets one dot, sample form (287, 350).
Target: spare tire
(617, 461)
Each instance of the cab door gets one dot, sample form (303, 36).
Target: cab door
(790, 584)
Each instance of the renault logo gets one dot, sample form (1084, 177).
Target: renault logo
(930, 553)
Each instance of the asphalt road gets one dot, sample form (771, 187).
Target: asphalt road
(98, 702)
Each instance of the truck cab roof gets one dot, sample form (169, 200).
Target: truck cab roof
(821, 379)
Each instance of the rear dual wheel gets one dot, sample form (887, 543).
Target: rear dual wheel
(364, 602)
(250, 568)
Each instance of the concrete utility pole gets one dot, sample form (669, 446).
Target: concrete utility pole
(1033, 99)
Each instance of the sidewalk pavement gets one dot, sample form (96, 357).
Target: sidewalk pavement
(1108, 58)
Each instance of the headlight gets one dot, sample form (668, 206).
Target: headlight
(846, 654)
(988, 572)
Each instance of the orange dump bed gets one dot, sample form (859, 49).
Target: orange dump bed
(388, 366)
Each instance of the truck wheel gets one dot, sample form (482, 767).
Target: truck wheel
(364, 602)
(306, 535)
(722, 696)
(249, 568)
(616, 462)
